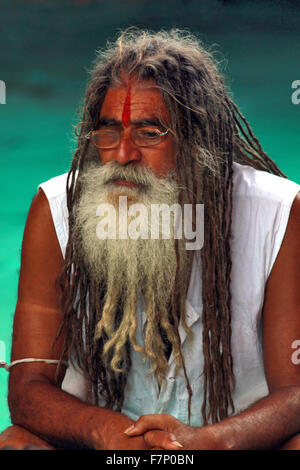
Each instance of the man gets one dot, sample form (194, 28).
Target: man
(166, 347)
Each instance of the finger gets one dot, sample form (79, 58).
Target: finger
(162, 439)
(147, 422)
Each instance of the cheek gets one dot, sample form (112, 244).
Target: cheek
(168, 162)
(162, 162)
(105, 156)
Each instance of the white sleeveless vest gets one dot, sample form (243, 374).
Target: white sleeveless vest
(261, 207)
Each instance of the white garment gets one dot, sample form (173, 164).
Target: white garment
(261, 207)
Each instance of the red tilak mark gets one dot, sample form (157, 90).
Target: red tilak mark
(126, 109)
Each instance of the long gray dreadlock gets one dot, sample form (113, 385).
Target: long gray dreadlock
(210, 134)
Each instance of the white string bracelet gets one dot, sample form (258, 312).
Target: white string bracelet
(7, 366)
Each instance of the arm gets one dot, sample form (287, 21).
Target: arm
(35, 400)
(274, 419)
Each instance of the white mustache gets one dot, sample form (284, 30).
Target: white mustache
(134, 174)
(104, 175)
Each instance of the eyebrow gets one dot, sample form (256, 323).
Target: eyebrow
(110, 122)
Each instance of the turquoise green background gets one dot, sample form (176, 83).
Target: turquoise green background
(45, 50)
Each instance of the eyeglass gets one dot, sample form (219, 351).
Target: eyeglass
(110, 138)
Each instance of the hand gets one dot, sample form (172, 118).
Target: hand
(18, 438)
(107, 433)
(168, 433)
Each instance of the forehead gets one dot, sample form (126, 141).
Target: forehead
(145, 101)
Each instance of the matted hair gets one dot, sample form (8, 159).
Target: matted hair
(210, 133)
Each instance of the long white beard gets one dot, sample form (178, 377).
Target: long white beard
(129, 267)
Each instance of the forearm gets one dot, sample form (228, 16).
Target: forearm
(61, 419)
(264, 425)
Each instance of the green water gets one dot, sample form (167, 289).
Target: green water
(43, 63)
(26, 161)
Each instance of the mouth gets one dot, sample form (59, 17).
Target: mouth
(125, 183)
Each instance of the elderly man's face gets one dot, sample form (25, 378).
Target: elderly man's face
(126, 108)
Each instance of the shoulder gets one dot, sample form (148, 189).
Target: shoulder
(263, 199)
(262, 185)
(56, 186)
(39, 228)
(41, 209)
(281, 307)
(55, 191)
(39, 212)
(292, 236)
(264, 209)
(46, 221)
(295, 211)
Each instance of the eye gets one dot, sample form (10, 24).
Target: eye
(148, 133)
(105, 138)
(147, 136)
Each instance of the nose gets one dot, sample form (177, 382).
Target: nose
(127, 151)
